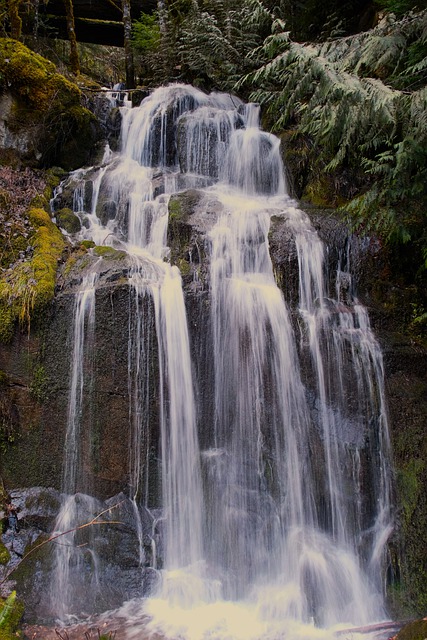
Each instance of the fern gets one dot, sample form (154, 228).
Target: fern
(344, 94)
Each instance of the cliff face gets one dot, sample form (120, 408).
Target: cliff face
(36, 370)
(35, 373)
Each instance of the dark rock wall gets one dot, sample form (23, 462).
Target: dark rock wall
(36, 389)
(36, 374)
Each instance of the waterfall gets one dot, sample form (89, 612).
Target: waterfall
(69, 560)
(267, 528)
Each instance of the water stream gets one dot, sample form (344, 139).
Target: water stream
(267, 530)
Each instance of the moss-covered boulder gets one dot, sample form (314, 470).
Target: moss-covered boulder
(104, 251)
(68, 220)
(41, 116)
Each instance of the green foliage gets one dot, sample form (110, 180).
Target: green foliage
(11, 611)
(400, 7)
(204, 43)
(214, 40)
(335, 92)
(146, 33)
(311, 20)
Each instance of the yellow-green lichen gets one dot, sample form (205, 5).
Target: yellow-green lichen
(31, 284)
(33, 78)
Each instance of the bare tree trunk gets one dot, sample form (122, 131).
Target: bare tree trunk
(15, 20)
(127, 25)
(162, 12)
(74, 54)
(36, 18)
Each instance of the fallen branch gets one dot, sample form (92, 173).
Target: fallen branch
(92, 522)
(379, 626)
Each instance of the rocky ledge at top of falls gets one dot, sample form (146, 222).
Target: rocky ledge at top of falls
(192, 215)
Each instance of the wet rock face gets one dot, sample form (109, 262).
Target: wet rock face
(39, 392)
(37, 389)
(38, 371)
(118, 569)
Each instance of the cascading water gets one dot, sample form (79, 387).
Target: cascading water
(69, 560)
(268, 524)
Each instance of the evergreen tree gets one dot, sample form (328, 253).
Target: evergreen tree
(346, 95)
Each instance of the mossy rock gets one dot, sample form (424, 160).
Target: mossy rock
(103, 251)
(85, 82)
(175, 208)
(87, 244)
(68, 220)
(416, 630)
(64, 131)
(182, 204)
(33, 78)
(38, 553)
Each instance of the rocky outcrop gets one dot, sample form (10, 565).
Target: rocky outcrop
(35, 384)
(42, 121)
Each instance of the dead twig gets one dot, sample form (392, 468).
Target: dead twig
(92, 522)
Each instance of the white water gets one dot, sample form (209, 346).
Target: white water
(69, 560)
(266, 529)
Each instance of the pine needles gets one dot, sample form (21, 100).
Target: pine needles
(351, 97)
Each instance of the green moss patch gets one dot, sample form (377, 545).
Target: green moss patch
(4, 554)
(410, 486)
(87, 244)
(65, 130)
(30, 285)
(33, 79)
(108, 252)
